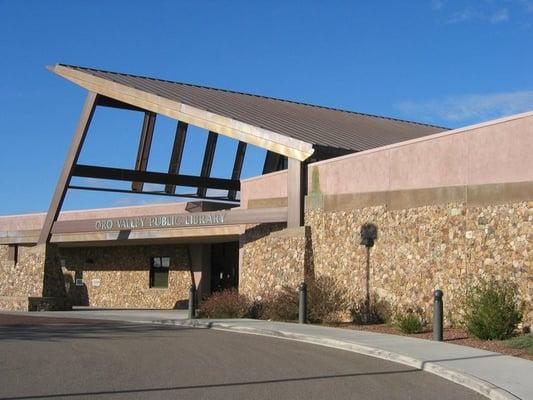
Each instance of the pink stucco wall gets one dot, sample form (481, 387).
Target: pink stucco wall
(496, 151)
(264, 187)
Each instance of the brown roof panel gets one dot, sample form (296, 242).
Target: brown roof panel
(319, 126)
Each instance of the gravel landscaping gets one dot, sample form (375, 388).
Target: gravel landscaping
(520, 346)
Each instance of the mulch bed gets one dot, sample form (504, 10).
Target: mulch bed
(451, 335)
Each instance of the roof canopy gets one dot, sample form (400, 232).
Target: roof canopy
(288, 128)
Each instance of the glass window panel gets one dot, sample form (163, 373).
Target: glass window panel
(165, 262)
(160, 279)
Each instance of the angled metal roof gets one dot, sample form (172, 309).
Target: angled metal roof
(282, 126)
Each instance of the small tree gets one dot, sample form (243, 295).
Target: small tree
(492, 309)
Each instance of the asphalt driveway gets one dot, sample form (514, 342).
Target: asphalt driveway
(44, 358)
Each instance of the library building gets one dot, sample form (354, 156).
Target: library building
(444, 207)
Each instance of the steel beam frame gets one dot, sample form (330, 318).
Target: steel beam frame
(237, 167)
(177, 153)
(70, 161)
(145, 143)
(120, 174)
(207, 164)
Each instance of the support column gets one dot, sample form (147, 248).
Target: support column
(295, 193)
(66, 173)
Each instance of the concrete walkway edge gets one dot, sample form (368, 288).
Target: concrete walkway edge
(474, 383)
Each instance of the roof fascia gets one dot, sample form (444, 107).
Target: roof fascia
(257, 136)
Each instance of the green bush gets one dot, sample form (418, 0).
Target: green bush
(524, 342)
(492, 310)
(225, 304)
(410, 323)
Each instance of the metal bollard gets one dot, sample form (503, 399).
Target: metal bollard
(192, 302)
(438, 316)
(302, 309)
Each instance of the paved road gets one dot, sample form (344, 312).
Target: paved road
(43, 358)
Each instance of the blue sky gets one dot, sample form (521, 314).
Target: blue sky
(449, 63)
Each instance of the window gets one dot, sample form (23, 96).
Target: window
(159, 267)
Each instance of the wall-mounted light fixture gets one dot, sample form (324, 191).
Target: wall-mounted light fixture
(369, 234)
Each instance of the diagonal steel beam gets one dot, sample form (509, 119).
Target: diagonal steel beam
(209, 156)
(273, 162)
(237, 167)
(66, 173)
(145, 143)
(177, 153)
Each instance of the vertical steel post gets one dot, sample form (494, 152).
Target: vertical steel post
(438, 316)
(302, 309)
(192, 302)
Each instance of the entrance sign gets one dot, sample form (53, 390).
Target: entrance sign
(159, 221)
(174, 221)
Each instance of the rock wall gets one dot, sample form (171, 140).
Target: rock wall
(419, 248)
(118, 276)
(33, 281)
(25, 277)
(271, 257)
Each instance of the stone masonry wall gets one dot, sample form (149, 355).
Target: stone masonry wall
(123, 274)
(25, 278)
(34, 281)
(271, 258)
(421, 249)
(418, 250)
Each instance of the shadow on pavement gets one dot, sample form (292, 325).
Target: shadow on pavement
(210, 386)
(54, 329)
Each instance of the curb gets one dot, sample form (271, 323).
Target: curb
(478, 385)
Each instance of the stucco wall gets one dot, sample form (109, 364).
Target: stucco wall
(123, 274)
(497, 151)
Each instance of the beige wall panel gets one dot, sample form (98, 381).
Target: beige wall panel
(431, 163)
(268, 186)
(367, 173)
(501, 153)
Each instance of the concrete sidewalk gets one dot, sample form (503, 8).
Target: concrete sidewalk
(492, 374)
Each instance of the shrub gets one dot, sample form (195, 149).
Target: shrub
(492, 310)
(410, 323)
(524, 342)
(377, 312)
(280, 306)
(225, 304)
(327, 301)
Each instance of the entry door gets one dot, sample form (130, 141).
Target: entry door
(224, 266)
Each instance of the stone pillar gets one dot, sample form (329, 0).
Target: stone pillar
(35, 282)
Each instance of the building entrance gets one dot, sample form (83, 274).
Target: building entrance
(224, 266)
